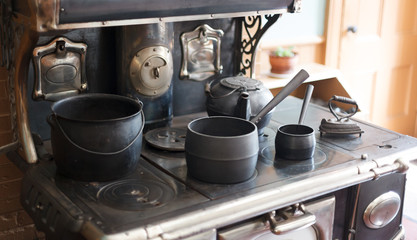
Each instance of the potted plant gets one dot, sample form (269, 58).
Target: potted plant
(283, 60)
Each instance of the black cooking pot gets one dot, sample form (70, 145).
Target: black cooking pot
(221, 149)
(296, 141)
(96, 137)
(238, 96)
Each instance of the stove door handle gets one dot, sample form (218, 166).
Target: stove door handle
(288, 220)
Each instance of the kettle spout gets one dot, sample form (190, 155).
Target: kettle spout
(243, 109)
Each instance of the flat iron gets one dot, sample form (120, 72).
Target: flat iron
(341, 125)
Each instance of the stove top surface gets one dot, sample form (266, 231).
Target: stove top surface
(135, 199)
(268, 169)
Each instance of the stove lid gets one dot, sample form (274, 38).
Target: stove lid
(169, 139)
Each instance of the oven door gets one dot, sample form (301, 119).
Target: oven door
(298, 227)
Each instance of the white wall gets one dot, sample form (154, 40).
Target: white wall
(310, 22)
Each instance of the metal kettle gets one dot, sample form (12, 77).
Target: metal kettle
(238, 96)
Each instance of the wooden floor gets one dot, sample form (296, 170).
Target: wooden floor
(410, 204)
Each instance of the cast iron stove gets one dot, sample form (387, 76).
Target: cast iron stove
(160, 188)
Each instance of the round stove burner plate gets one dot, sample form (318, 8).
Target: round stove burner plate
(169, 139)
(135, 194)
(294, 166)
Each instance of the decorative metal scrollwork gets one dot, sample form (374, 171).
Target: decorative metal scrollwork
(250, 29)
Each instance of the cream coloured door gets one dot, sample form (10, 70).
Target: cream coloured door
(377, 55)
(395, 101)
(359, 52)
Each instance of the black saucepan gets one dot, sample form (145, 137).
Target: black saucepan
(225, 149)
(296, 141)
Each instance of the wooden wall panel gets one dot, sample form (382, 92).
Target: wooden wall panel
(399, 94)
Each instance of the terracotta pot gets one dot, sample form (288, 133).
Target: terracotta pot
(283, 65)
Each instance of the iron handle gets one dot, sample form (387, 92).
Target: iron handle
(291, 220)
(352, 29)
(342, 100)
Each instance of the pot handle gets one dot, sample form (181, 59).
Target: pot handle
(297, 80)
(54, 123)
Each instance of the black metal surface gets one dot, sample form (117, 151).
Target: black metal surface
(291, 167)
(134, 195)
(75, 202)
(107, 10)
(267, 169)
(367, 193)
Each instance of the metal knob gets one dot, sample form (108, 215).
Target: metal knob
(352, 29)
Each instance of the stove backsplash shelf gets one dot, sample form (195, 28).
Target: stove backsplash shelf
(71, 14)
